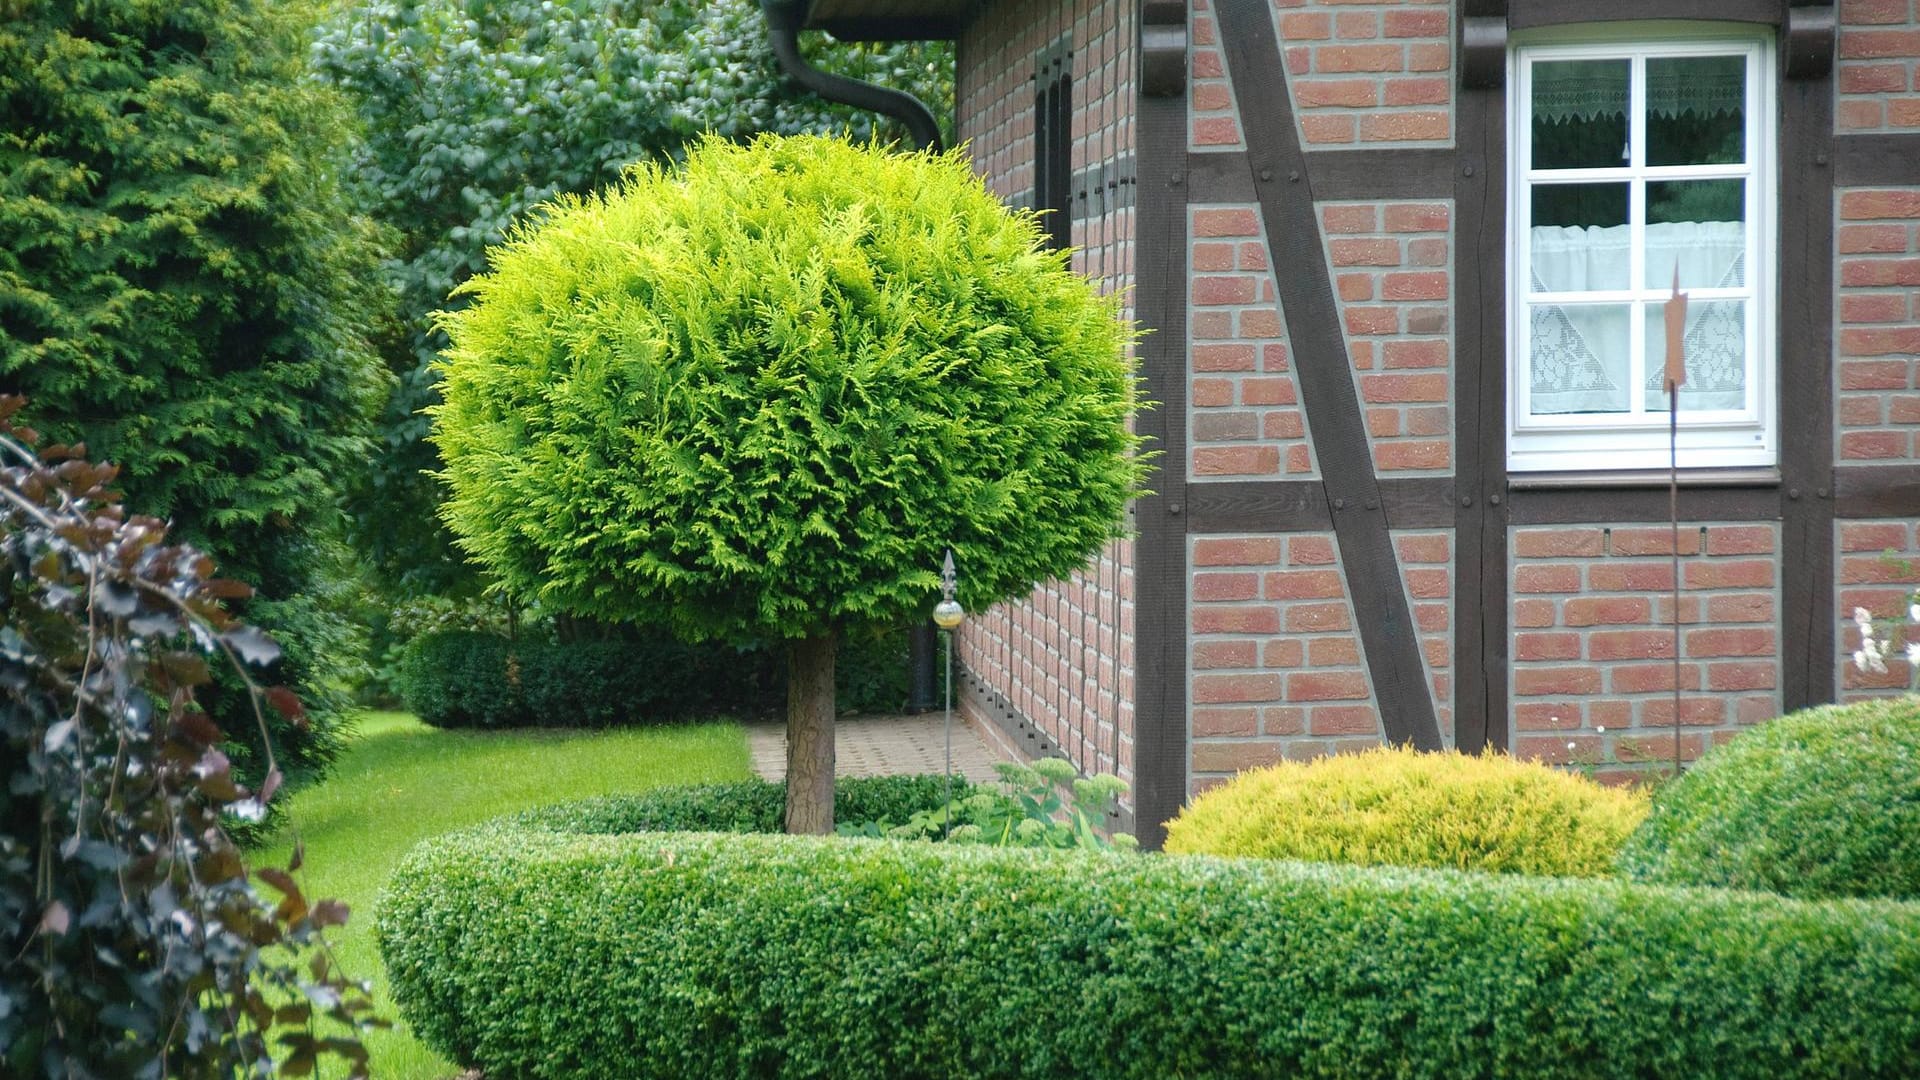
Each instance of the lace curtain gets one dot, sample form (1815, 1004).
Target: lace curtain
(1584, 90)
(1581, 360)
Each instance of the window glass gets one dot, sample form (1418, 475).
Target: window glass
(1580, 238)
(1696, 110)
(1699, 228)
(1716, 350)
(1580, 113)
(1580, 357)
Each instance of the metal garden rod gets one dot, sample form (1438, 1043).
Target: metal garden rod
(1676, 313)
(947, 615)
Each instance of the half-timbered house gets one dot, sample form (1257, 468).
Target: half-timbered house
(1402, 269)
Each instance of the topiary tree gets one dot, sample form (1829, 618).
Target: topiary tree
(184, 289)
(473, 113)
(758, 395)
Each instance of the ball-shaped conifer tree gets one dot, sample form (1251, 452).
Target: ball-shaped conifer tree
(756, 396)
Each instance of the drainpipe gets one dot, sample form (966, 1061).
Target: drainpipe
(784, 20)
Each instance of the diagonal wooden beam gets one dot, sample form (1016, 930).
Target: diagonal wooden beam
(1284, 191)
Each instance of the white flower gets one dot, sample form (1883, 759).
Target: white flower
(1863, 619)
(1913, 653)
(1600, 729)
(1913, 612)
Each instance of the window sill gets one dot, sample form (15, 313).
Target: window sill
(1643, 478)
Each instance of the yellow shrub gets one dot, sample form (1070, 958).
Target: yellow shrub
(1398, 807)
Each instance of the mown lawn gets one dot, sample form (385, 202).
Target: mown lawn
(401, 781)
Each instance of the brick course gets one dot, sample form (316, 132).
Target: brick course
(1878, 75)
(1878, 241)
(1393, 280)
(1244, 417)
(1592, 639)
(1063, 655)
(1277, 670)
(1878, 569)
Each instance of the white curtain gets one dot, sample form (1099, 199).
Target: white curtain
(1580, 352)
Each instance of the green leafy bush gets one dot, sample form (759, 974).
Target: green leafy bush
(185, 289)
(745, 806)
(1822, 803)
(473, 114)
(1398, 807)
(135, 943)
(531, 953)
(1043, 805)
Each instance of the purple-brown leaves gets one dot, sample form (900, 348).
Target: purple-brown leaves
(136, 942)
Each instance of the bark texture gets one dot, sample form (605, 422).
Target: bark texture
(810, 712)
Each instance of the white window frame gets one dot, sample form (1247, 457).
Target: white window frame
(1585, 442)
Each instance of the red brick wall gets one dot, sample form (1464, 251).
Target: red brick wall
(1592, 618)
(1244, 414)
(1275, 655)
(1879, 69)
(1363, 74)
(1062, 656)
(1879, 382)
(1393, 280)
(1879, 569)
(1276, 664)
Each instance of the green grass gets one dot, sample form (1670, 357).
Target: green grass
(401, 781)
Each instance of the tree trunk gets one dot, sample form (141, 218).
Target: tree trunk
(810, 711)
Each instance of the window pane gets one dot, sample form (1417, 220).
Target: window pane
(1696, 110)
(1716, 351)
(1700, 227)
(1580, 114)
(1580, 361)
(1580, 238)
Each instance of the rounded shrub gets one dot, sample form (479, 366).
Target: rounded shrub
(1398, 807)
(1822, 803)
(528, 952)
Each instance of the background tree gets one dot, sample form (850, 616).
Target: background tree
(758, 395)
(184, 288)
(475, 113)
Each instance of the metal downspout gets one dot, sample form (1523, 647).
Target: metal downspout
(784, 19)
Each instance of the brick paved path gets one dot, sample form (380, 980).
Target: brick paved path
(881, 746)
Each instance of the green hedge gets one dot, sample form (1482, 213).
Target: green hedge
(466, 678)
(1822, 803)
(744, 806)
(532, 953)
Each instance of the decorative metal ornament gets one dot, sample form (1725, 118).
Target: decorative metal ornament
(948, 612)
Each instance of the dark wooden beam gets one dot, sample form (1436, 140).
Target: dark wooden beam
(1160, 548)
(1571, 506)
(1807, 608)
(1528, 14)
(1480, 651)
(1876, 491)
(1872, 160)
(1286, 196)
(1337, 175)
(1258, 506)
(1277, 506)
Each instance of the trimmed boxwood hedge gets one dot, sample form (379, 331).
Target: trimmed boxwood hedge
(757, 806)
(1822, 803)
(530, 952)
